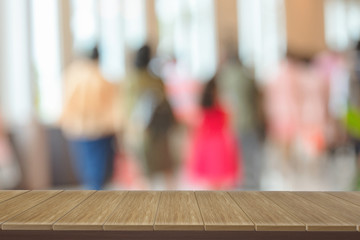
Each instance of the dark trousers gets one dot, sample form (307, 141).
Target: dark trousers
(93, 160)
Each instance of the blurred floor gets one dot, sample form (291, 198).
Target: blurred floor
(328, 173)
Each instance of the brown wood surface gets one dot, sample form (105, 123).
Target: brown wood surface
(353, 197)
(220, 212)
(44, 215)
(7, 194)
(23, 202)
(337, 207)
(266, 215)
(178, 211)
(92, 213)
(137, 212)
(314, 217)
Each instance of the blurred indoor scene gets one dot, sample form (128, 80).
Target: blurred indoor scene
(180, 94)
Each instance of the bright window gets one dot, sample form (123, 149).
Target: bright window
(113, 24)
(84, 24)
(112, 40)
(135, 23)
(262, 34)
(187, 30)
(342, 23)
(46, 58)
(15, 80)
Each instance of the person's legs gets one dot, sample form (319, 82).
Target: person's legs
(100, 155)
(93, 160)
(108, 155)
(94, 167)
(356, 144)
(251, 154)
(110, 151)
(78, 158)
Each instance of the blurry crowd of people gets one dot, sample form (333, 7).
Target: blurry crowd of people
(159, 124)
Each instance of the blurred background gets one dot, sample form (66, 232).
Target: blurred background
(181, 94)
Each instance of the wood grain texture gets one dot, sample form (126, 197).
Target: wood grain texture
(221, 213)
(43, 216)
(178, 211)
(314, 217)
(92, 213)
(137, 212)
(353, 197)
(23, 202)
(266, 215)
(7, 194)
(334, 206)
(175, 212)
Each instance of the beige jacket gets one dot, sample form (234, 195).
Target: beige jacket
(90, 102)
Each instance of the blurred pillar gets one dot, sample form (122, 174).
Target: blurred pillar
(305, 26)
(35, 154)
(152, 24)
(66, 42)
(16, 90)
(227, 28)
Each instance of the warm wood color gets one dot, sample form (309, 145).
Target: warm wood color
(44, 215)
(137, 211)
(265, 214)
(92, 213)
(221, 213)
(164, 215)
(314, 217)
(19, 204)
(353, 197)
(178, 211)
(337, 207)
(7, 194)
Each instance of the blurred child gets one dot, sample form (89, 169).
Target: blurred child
(213, 161)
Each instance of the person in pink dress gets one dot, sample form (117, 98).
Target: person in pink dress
(213, 160)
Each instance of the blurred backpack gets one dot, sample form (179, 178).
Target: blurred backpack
(162, 119)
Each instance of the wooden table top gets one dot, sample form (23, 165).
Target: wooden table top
(179, 211)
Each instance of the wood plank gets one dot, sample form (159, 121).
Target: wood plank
(7, 194)
(334, 206)
(353, 197)
(178, 211)
(314, 217)
(92, 213)
(221, 213)
(23, 202)
(43, 216)
(137, 211)
(266, 215)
